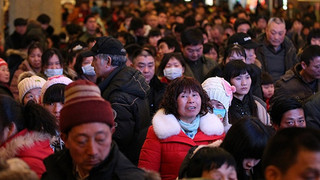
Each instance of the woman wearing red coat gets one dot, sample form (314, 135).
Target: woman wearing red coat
(182, 122)
(25, 132)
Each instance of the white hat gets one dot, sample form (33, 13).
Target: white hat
(28, 84)
(219, 89)
(60, 79)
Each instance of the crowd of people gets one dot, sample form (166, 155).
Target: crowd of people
(166, 91)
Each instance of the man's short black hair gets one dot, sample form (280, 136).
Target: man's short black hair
(281, 105)
(239, 22)
(191, 36)
(283, 149)
(309, 53)
(44, 19)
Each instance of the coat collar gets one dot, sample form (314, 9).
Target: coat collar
(166, 125)
(24, 139)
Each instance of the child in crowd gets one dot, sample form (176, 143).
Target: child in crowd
(4, 78)
(211, 163)
(30, 87)
(220, 93)
(267, 88)
(52, 99)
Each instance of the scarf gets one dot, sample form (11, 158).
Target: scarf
(190, 129)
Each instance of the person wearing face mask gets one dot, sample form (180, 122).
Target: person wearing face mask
(52, 63)
(220, 93)
(84, 68)
(171, 67)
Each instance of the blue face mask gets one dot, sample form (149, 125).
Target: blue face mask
(220, 113)
(53, 72)
(88, 70)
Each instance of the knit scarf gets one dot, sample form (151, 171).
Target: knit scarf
(190, 129)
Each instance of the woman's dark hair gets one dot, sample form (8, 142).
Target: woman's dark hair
(207, 159)
(246, 138)
(32, 116)
(73, 50)
(54, 93)
(171, 43)
(78, 64)
(175, 88)
(33, 46)
(166, 59)
(233, 69)
(48, 54)
(233, 48)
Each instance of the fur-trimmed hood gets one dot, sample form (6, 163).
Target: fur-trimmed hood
(23, 140)
(166, 125)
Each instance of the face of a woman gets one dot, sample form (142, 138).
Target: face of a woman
(249, 163)
(189, 105)
(54, 63)
(4, 74)
(87, 60)
(34, 58)
(174, 63)
(216, 104)
(235, 56)
(242, 84)
(33, 94)
(54, 108)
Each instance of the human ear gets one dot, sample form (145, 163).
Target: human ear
(303, 65)
(272, 173)
(12, 130)
(64, 138)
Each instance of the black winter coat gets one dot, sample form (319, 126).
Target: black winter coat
(127, 91)
(115, 167)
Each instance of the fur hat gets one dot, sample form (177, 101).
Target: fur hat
(219, 89)
(54, 80)
(3, 62)
(28, 84)
(84, 104)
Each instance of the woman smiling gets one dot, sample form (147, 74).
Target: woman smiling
(182, 122)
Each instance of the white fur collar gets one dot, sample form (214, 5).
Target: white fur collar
(166, 125)
(26, 140)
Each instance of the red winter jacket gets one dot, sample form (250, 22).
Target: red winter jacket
(30, 146)
(167, 145)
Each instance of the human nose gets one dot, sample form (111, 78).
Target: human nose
(91, 148)
(57, 107)
(146, 69)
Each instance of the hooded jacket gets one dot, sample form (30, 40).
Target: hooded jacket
(167, 145)
(30, 146)
(127, 91)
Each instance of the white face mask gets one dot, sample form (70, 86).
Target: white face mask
(172, 73)
(88, 70)
(53, 72)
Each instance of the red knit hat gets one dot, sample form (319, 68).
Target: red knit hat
(3, 62)
(84, 104)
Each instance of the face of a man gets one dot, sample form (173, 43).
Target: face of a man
(244, 28)
(89, 144)
(146, 65)
(306, 166)
(276, 34)
(100, 67)
(91, 24)
(193, 52)
(293, 118)
(312, 71)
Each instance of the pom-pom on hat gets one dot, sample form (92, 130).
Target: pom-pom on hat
(219, 89)
(28, 84)
(3, 62)
(84, 104)
(60, 79)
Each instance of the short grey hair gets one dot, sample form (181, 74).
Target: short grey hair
(117, 60)
(276, 20)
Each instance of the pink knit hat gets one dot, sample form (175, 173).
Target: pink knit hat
(84, 104)
(54, 80)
